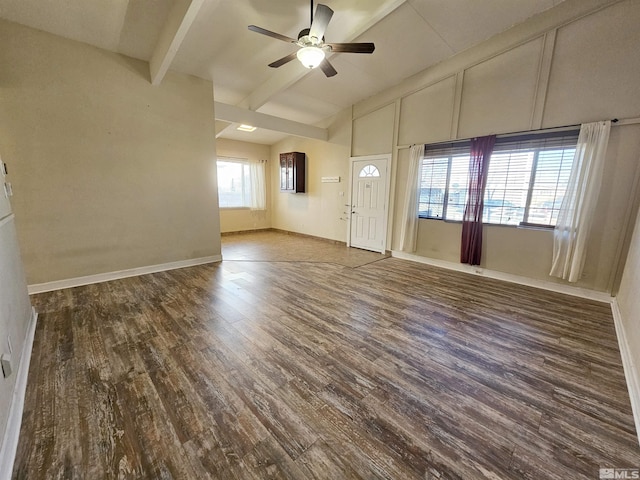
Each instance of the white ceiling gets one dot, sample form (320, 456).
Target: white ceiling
(410, 35)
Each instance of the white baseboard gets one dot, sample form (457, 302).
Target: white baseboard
(131, 272)
(12, 432)
(507, 277)
(630, 371)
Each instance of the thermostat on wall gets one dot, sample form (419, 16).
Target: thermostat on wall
(330, 179)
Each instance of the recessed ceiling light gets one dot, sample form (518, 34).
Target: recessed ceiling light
(246, 128)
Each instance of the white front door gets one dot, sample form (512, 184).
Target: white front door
(369, 205)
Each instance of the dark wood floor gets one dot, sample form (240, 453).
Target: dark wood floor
(278, 246)
(252, 370)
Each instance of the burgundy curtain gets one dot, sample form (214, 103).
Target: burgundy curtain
(471, 250)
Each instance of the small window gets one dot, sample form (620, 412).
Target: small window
(526, 181)
(234, 183)
(369, 171)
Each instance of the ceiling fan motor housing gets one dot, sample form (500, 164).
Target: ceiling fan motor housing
(305, 40)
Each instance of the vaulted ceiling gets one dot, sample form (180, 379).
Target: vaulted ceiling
(210, 39)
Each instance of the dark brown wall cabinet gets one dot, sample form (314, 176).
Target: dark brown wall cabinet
(292, 172)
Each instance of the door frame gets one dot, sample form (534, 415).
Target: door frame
(385, 225)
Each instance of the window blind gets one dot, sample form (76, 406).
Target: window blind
(526, 182)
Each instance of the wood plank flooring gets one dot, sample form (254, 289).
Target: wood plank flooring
(311, 370)
(278, 246)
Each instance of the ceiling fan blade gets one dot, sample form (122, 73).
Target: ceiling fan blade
(320, 21)
(352, 47)
(283, 60)
(327, 68)
(269, 33)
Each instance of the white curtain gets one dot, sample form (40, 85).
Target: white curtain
(258, 186)
(579, 203)
(409, 231)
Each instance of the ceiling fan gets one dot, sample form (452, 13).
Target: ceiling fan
(313, 48)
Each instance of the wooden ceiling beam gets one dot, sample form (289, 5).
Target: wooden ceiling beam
(179, 20)
(234, 114)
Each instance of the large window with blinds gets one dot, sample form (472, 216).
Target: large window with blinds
(526, 181)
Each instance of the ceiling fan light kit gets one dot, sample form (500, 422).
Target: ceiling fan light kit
(313, 49)
(310, 57)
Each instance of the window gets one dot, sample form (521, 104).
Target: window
(445, 175)
(234, 183)
(369, 171)
(526, 181)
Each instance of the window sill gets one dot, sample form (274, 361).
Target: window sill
(526, 226)
(234, 208)
(535, 226)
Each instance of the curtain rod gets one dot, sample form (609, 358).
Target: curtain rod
(625, 121)
(557, 129)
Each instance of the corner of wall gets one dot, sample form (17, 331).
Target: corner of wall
(12, 431)
(630, 369)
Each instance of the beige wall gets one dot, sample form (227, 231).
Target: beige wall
(15, 312)
(240, 219)
(575, 72)
(109, 172)
(629, 305)
(594, 74)
(373, 133)
(321, 210)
